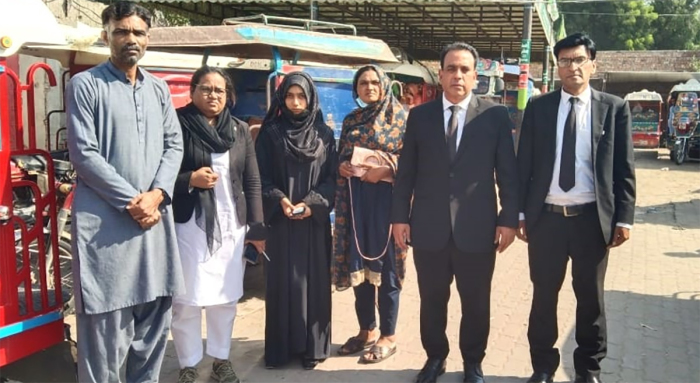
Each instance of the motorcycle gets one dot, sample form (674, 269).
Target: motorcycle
(684, 134)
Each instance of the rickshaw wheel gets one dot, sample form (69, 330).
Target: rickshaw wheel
(65, 257)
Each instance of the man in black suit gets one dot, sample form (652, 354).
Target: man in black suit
(577, 194)
(452, 148)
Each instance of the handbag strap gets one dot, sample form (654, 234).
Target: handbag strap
(354, 230)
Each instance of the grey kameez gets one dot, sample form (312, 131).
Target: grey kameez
(123, 139)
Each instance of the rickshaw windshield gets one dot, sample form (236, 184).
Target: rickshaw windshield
(645, 107)
(482, 85)
(644, 117)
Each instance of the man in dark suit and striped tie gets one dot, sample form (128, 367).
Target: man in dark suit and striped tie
(577, 195)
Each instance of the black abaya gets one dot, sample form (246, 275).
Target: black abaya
(298, 296)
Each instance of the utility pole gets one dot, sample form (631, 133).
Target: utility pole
(525, 48)
(313, 4)
(545, 68)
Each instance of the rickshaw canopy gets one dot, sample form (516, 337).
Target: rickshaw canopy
(253, 41)
(83, 47)
(27, 22)
(644, 95)
(691, 85)
(411, 70)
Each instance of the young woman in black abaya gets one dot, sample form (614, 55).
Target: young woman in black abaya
(297, 160)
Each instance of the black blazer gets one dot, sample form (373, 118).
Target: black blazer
(612, 152)
(245, 184)
(457, 198)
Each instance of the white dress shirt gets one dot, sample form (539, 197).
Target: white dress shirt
(584, 190)
(461, 116)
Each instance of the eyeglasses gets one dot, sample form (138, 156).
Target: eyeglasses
(208, 90)
(566, 62)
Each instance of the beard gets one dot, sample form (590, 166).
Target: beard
(126, 55)
(131, 60)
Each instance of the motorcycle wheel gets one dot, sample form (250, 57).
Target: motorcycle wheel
(679, 151)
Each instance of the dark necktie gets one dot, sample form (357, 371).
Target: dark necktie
(452, 131)
(567, 169)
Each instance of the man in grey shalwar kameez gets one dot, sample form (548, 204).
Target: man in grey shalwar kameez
(125, 143)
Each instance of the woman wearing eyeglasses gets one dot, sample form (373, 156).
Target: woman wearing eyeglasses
(218, 209)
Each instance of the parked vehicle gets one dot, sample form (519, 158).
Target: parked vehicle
(646, 109)
(511, 77)
(490, 82)
(683, 116)
(31, 299)
(417, 83)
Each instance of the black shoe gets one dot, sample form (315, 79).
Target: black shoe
(541, 377)
(433, 368)
(589, 378)
(473, 373)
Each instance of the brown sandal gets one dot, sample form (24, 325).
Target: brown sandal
(354, 345)
(378, 354)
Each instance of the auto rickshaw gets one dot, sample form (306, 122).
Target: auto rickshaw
(490, 82)
(646, 118)
(31, 296)
(682, 136)
(511, 77)
(417, 83)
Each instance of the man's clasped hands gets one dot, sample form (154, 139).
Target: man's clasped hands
(144, 208)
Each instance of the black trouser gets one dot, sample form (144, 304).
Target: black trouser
(552, 240)
(388, 301)
(473, 272)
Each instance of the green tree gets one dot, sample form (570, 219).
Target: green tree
(613, 25)
(635, 26)
(681, 31)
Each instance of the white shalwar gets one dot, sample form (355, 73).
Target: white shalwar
(214, 282)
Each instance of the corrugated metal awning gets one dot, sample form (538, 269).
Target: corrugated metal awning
(420, 27)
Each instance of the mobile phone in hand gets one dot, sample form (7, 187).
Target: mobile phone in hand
(298, 211)
(251, 254)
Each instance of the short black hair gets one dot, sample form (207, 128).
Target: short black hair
(205, 70)
(458, 46)
(124, 9)
(574, 40)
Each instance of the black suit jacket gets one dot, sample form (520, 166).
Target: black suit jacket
(439, 197)
(612, 155)
(245, 184)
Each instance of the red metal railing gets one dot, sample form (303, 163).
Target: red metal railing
(39, 325)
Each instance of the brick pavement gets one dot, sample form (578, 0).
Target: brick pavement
(652, 294)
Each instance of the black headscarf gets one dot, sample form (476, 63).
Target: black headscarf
(200, 141)
(298, 132)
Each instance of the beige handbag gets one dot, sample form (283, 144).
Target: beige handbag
(365, 159)
(362, 160)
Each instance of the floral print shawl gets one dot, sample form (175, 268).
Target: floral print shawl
(377, 126)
